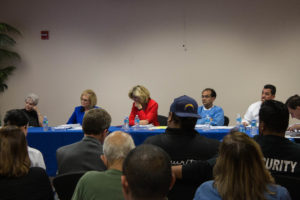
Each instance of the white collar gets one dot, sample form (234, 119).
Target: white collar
(209, 108)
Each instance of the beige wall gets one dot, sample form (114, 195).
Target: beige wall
(109, 46)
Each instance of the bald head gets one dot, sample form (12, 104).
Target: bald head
(117, 145)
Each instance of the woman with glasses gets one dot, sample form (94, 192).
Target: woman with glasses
(88, 101)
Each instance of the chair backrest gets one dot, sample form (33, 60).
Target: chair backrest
(65, 184)
(162, 120)
(290, 183)
(226, 120)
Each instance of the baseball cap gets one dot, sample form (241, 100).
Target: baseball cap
(185, 106)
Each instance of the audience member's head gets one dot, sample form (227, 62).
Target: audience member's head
(88, 98)
(268, 92)
(240, 171)
(273, 118)
(147, 173)
(183, 113)
(96, 122)
(14, 159)
(208, 97)
(31, 100)
(293, 104)
(139, 94)
(116, 147)
(17, 117)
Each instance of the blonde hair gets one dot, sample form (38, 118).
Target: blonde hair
(91, 95)
(240, 171)
(141, 92)
(14, 159)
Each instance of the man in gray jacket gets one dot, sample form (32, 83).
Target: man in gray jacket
(85, 154)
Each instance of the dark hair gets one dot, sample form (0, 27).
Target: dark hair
(271, 87)
(293, 102)
(186, 123)
(148, 171)
(212, 92)
(95, 121)
(16, 117)
(14, 159)
(275, 115)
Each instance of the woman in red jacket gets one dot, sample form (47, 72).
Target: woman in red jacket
(143, 106)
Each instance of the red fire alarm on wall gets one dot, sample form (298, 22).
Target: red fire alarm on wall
(45, 35)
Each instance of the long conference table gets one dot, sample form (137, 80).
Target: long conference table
(49, 141)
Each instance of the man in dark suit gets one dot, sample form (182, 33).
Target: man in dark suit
(85, 154)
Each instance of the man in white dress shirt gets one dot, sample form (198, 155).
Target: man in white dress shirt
(268, 93)
(17, 117)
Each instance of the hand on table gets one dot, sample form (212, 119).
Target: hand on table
(245, 123)
(294, 127)
(144, 122)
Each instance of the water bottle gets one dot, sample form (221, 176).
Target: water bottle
(45, 124)
(207, 123)
(238, 120)
(239, 124)
(126, 123)
(253, 127)
(136, 121)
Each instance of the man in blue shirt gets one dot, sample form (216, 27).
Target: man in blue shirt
(215, 113)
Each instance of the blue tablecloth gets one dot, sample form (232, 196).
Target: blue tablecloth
(49, 141)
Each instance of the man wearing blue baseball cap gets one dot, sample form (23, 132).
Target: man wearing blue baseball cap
(183, 143)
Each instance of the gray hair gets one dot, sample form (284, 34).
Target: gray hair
(117, 145)
(33, 97)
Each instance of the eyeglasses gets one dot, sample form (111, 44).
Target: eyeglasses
(206, 96)
(85, 100)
